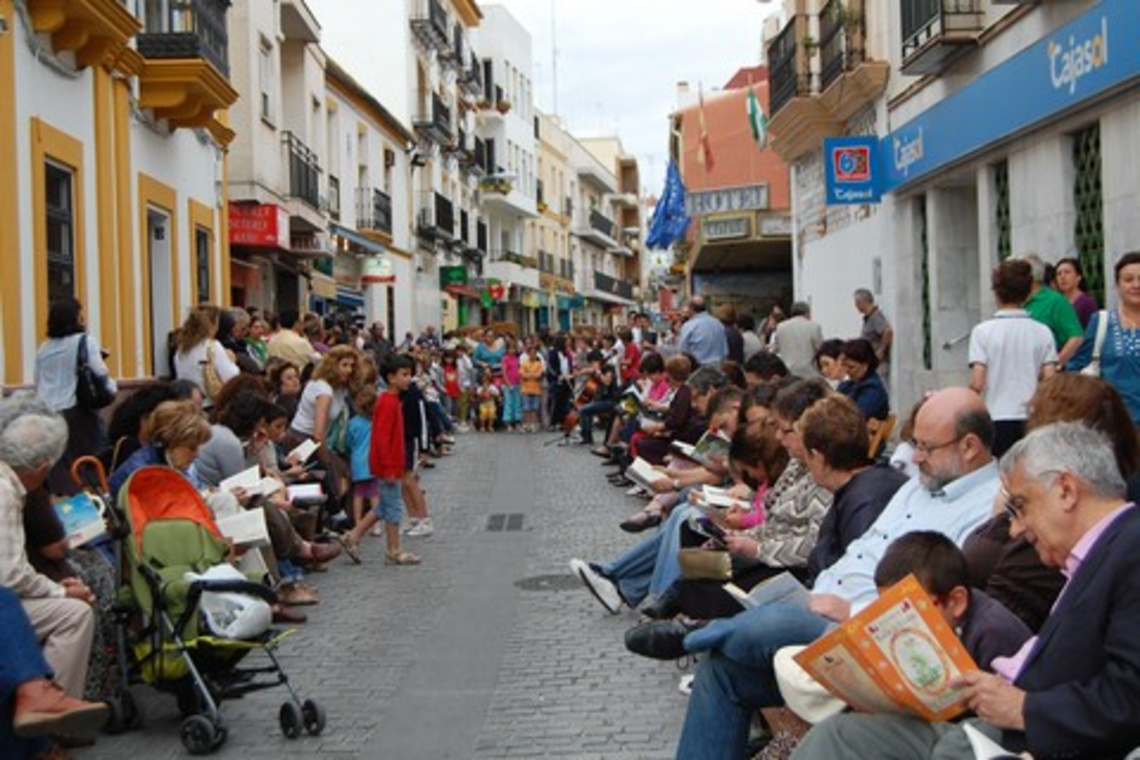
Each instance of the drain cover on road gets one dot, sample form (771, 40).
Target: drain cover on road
(550, 583)
(498, 523)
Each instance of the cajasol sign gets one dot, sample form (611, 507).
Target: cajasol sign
(1088, 57)
(852, 170)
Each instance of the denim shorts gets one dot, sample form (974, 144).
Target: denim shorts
(390, 508)
(366, 489)
(531, 403)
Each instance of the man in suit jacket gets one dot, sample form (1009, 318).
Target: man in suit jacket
(1073, 690)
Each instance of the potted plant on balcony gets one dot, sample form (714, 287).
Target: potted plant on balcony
(542, 207)
(484, 103)
(503, 106)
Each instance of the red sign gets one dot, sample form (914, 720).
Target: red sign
(263, 225)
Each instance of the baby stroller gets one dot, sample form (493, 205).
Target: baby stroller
(172, 533)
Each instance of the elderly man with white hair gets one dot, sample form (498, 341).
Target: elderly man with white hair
(1073, 690)
(32, 438)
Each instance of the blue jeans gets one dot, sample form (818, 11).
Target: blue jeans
(20, 661)
(651, 567)
(737, 677)
(587, 413)
(512, 404)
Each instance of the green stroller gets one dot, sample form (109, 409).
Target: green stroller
(172, 533)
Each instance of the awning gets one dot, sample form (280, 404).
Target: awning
(466, 291)
(349, 297)
(604, 297)
(357, 239)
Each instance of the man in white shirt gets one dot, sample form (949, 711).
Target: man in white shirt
(797, 339)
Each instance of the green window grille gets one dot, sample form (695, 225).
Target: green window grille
(1088, 234)
(927, 337)
(1001, 209)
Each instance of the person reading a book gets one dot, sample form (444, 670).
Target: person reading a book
(645, 400)
(953, 495)
(684, 421)
(1071, 690)
(863, 384)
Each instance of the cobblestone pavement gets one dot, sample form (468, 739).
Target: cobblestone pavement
(489, 649)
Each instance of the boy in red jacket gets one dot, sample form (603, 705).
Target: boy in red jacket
(387, 462)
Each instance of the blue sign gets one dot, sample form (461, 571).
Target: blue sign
(1084, 59)
(852, 168)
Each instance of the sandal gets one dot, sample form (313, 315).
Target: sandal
(401, 558)
(351, 548)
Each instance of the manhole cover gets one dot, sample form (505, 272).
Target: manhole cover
(550, 583)
(510, 523)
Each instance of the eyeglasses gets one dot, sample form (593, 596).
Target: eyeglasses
(926, 449)
(1014, 504)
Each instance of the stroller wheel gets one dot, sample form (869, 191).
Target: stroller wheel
(220, 737)
(199, 735)
(313, 716)
(290, 719)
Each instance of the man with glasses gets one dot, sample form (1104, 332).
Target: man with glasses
(953, 494)
(1073, 689)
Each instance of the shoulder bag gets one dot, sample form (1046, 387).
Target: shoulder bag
(211, 380)
(91, 389)
(1092, 369)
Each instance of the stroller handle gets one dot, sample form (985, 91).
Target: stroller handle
(250, 588)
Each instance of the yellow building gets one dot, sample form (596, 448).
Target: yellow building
(113, 137)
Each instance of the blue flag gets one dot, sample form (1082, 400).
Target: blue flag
(669, 221)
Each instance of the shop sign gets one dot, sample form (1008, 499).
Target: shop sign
(377, 270)
(727, 227)
(726, 200)
(452, 275)
(776, 226)
(851, 168)
(263, 225)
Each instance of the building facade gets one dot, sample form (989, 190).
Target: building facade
(548, 235)
(113, 129)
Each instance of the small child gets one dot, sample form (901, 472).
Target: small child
(512, 394)
(466, 385)
(365, 486)
(451, 387)
(485, 395)
(531, 370)
(386, 462)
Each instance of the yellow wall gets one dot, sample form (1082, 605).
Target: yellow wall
(154, 194)
(50, 143)
(109, 300)
(10, 322)
(128, 325)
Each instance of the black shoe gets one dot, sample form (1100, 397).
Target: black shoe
(639, 523)
(660, 640)
(664, 607)
(624, 482)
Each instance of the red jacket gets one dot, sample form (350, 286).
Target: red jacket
(387, 453)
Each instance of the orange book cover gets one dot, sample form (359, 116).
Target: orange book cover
(896, 656)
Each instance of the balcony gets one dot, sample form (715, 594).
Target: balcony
(848, 81)
(798, 120)
(599, 230)
(435, 125)
(612, 286)
(471, 79)
(180, 29)
(374, 212)
(304, 171)
(96, 31)
(429, 25)
(935, 32)
(436, 218)
(453, 57)
(474, 160)
(513, 267)
(546, 262)
(500, 193)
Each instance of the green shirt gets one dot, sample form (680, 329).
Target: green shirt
(1053, 310)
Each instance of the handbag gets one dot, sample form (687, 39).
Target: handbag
(338, 432)
(705, 564)
(91, 389)
(210, 377)
(1092, 369)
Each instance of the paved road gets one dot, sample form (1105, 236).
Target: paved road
(488, 650)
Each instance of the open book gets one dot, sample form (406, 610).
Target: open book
(303, 450)
(82, 519)
(633, 401)
(245, 528)
(710, 451)
(712, 496)
(250, 479)
(301, 491)
(896, 656)
(642, 473)
(784, 588)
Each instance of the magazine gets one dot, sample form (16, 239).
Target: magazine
(896, 656)
(784, 588)
(710, 451)
(643, 473)
(82, 518)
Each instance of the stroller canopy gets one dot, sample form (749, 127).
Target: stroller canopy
(163, 493)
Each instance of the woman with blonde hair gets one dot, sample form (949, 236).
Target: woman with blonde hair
(199, 356)
(177, 431)
(323, 411)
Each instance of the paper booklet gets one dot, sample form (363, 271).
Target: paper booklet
(984, 747)
(303, 450)
(710, 451)
(304, 491)
(896, 656)
(250, 479)
(82, 519)
(718, 497)
(245, 528)
(784, 588)
(642, 473)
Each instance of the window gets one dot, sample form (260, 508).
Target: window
(265, 79)
(1088, 198)
(1002, 219)
(60, 212)
(202, 263)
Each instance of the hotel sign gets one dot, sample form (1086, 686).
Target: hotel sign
(727, 227)
(727, 200)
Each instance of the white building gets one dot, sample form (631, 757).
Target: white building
(112, 135)
(1000, 129)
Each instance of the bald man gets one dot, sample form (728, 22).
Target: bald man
(952, 494)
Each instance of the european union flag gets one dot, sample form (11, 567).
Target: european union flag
(669, 218)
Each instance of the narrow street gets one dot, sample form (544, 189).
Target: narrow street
(490, 649)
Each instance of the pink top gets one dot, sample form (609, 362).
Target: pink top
(511, 369)
(1009, 668)
(659, 389)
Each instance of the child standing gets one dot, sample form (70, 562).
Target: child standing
(451, 387)
(486, 395)
(358, 438)
(512, 393)
(531, 370)
(466, 385)
(386, 461)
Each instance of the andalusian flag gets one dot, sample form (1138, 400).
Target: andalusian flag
(704, 150)
(756, 119)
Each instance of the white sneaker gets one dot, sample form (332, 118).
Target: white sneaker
(686, 684)
(603, 589)
(377, 531)
(407, 526)
(635, 491)
(421, 529)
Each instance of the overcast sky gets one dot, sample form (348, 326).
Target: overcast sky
(619, 62)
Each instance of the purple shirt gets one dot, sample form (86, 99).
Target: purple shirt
(1009, 668)
(1085, 306)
